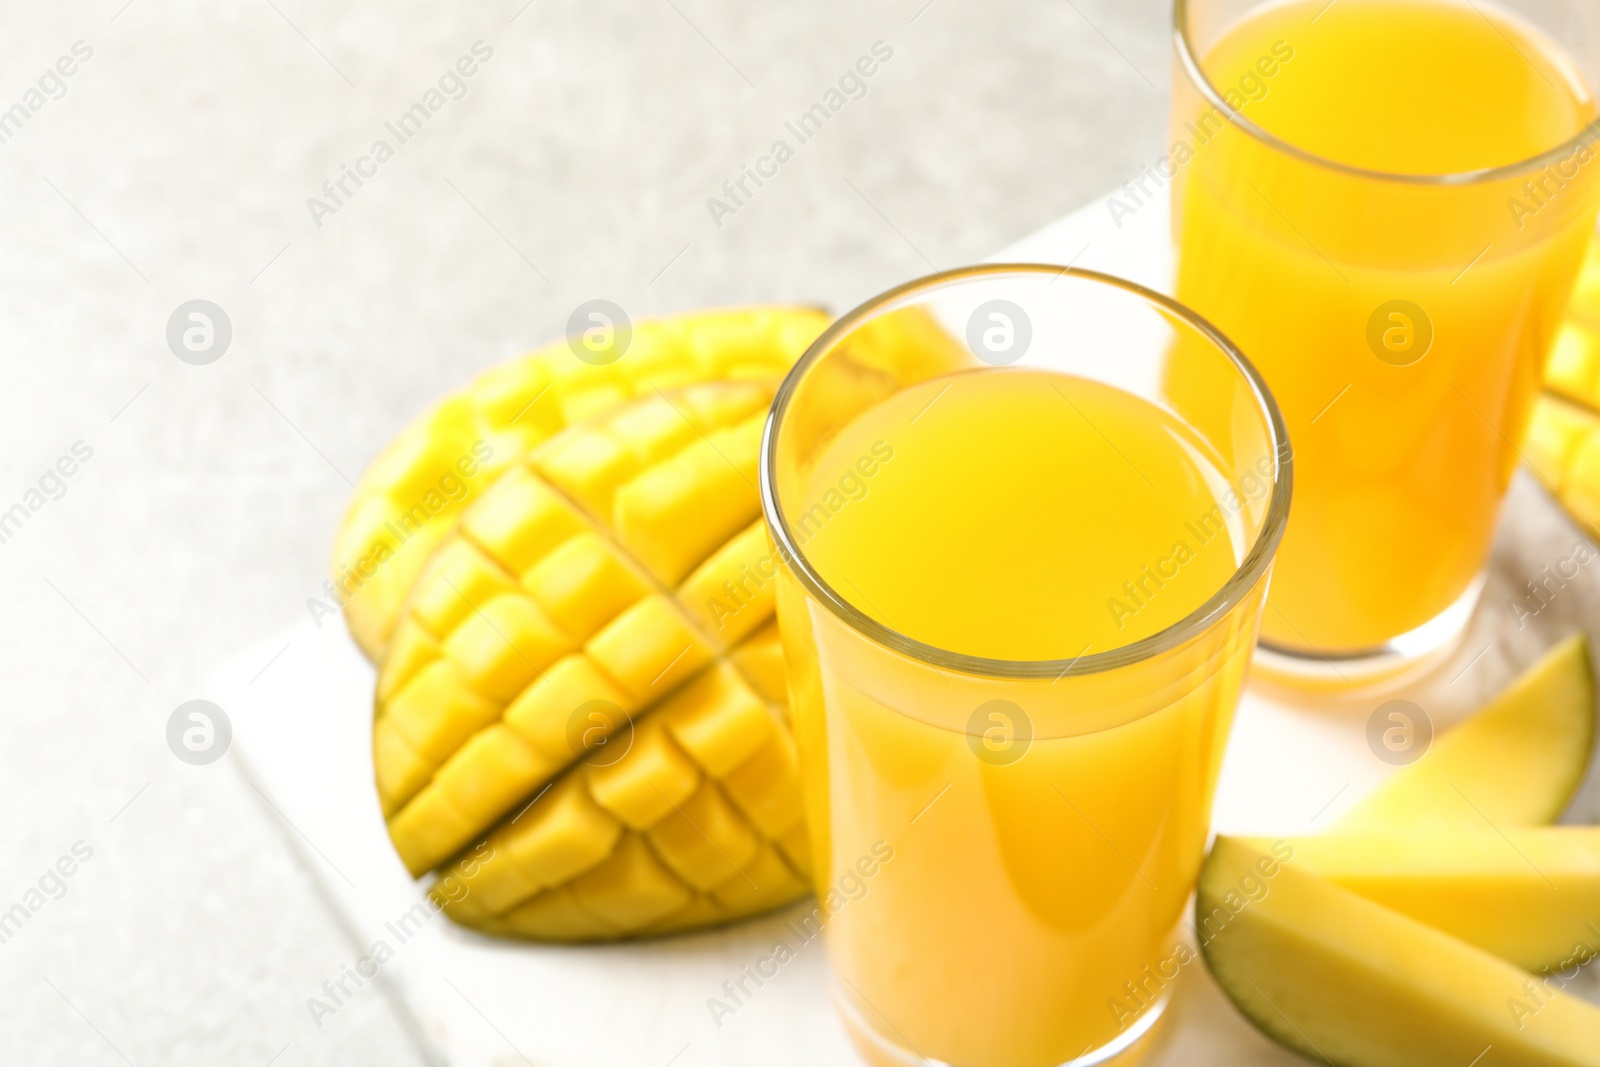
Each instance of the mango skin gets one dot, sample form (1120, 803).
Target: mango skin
(1398, 938)
(581, 722)
(410, 497)
(1342, 980)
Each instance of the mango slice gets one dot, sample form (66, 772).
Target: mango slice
(1528, 895)
(1345, 981)
(409, 499)
(576, 721)
(1517, 762)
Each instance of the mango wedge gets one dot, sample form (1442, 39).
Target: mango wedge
(582, 715)
(1343, 980)
(411, 496)
(1517, 762)
(1528, 895)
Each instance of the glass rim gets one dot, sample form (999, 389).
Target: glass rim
(1588, 134)
(1246, 573)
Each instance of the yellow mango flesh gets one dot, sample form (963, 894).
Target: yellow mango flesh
(582, 720)
(1563, 450)
(1528, 895)
(406, 503)
(1517, 762)
(1343, 980)
(1573, 369)
(1563, 445)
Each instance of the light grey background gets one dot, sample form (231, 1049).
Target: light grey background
(177, 166)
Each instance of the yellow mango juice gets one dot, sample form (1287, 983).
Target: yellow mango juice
(1042, 835)
(1401, 324)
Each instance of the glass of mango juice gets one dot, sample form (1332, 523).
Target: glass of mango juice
(1026, 517)
(1384, 202)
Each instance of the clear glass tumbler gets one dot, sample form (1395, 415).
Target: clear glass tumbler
(1003, 847)
(1385, 203)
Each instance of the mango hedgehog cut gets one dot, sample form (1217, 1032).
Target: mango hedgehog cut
(412, 495)
(1562, 444)
(581, 722)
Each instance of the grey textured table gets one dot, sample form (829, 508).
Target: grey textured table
(176, 163)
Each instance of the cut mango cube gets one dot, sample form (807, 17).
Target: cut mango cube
(520, 525)
(458, 578)
(437, 711)
(766, 787)
(400, 771)
(766, 881)
(650, 648)
(410, 498)
(428, 826)
(719, 720)
(734, 592)
(704, 840)
(1563, 445)
(583, 585)
(1574, 366)
(545, 712)
(1564, 454)
(563, 834)
(555, 916)
(760, 660)
(674, 516)
(1573, 369)
(631, 889)
(702, 910)
(1555, 435)
(491, 772)
(504, 645)
(648, 783)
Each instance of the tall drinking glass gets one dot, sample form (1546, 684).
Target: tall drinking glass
(1384, 202)
(1027, 517)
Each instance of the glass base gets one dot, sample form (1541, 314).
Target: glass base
(1401, 659)
(1126, 1049)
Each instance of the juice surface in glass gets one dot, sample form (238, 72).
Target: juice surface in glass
(1400, 324)
(1041, 849)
